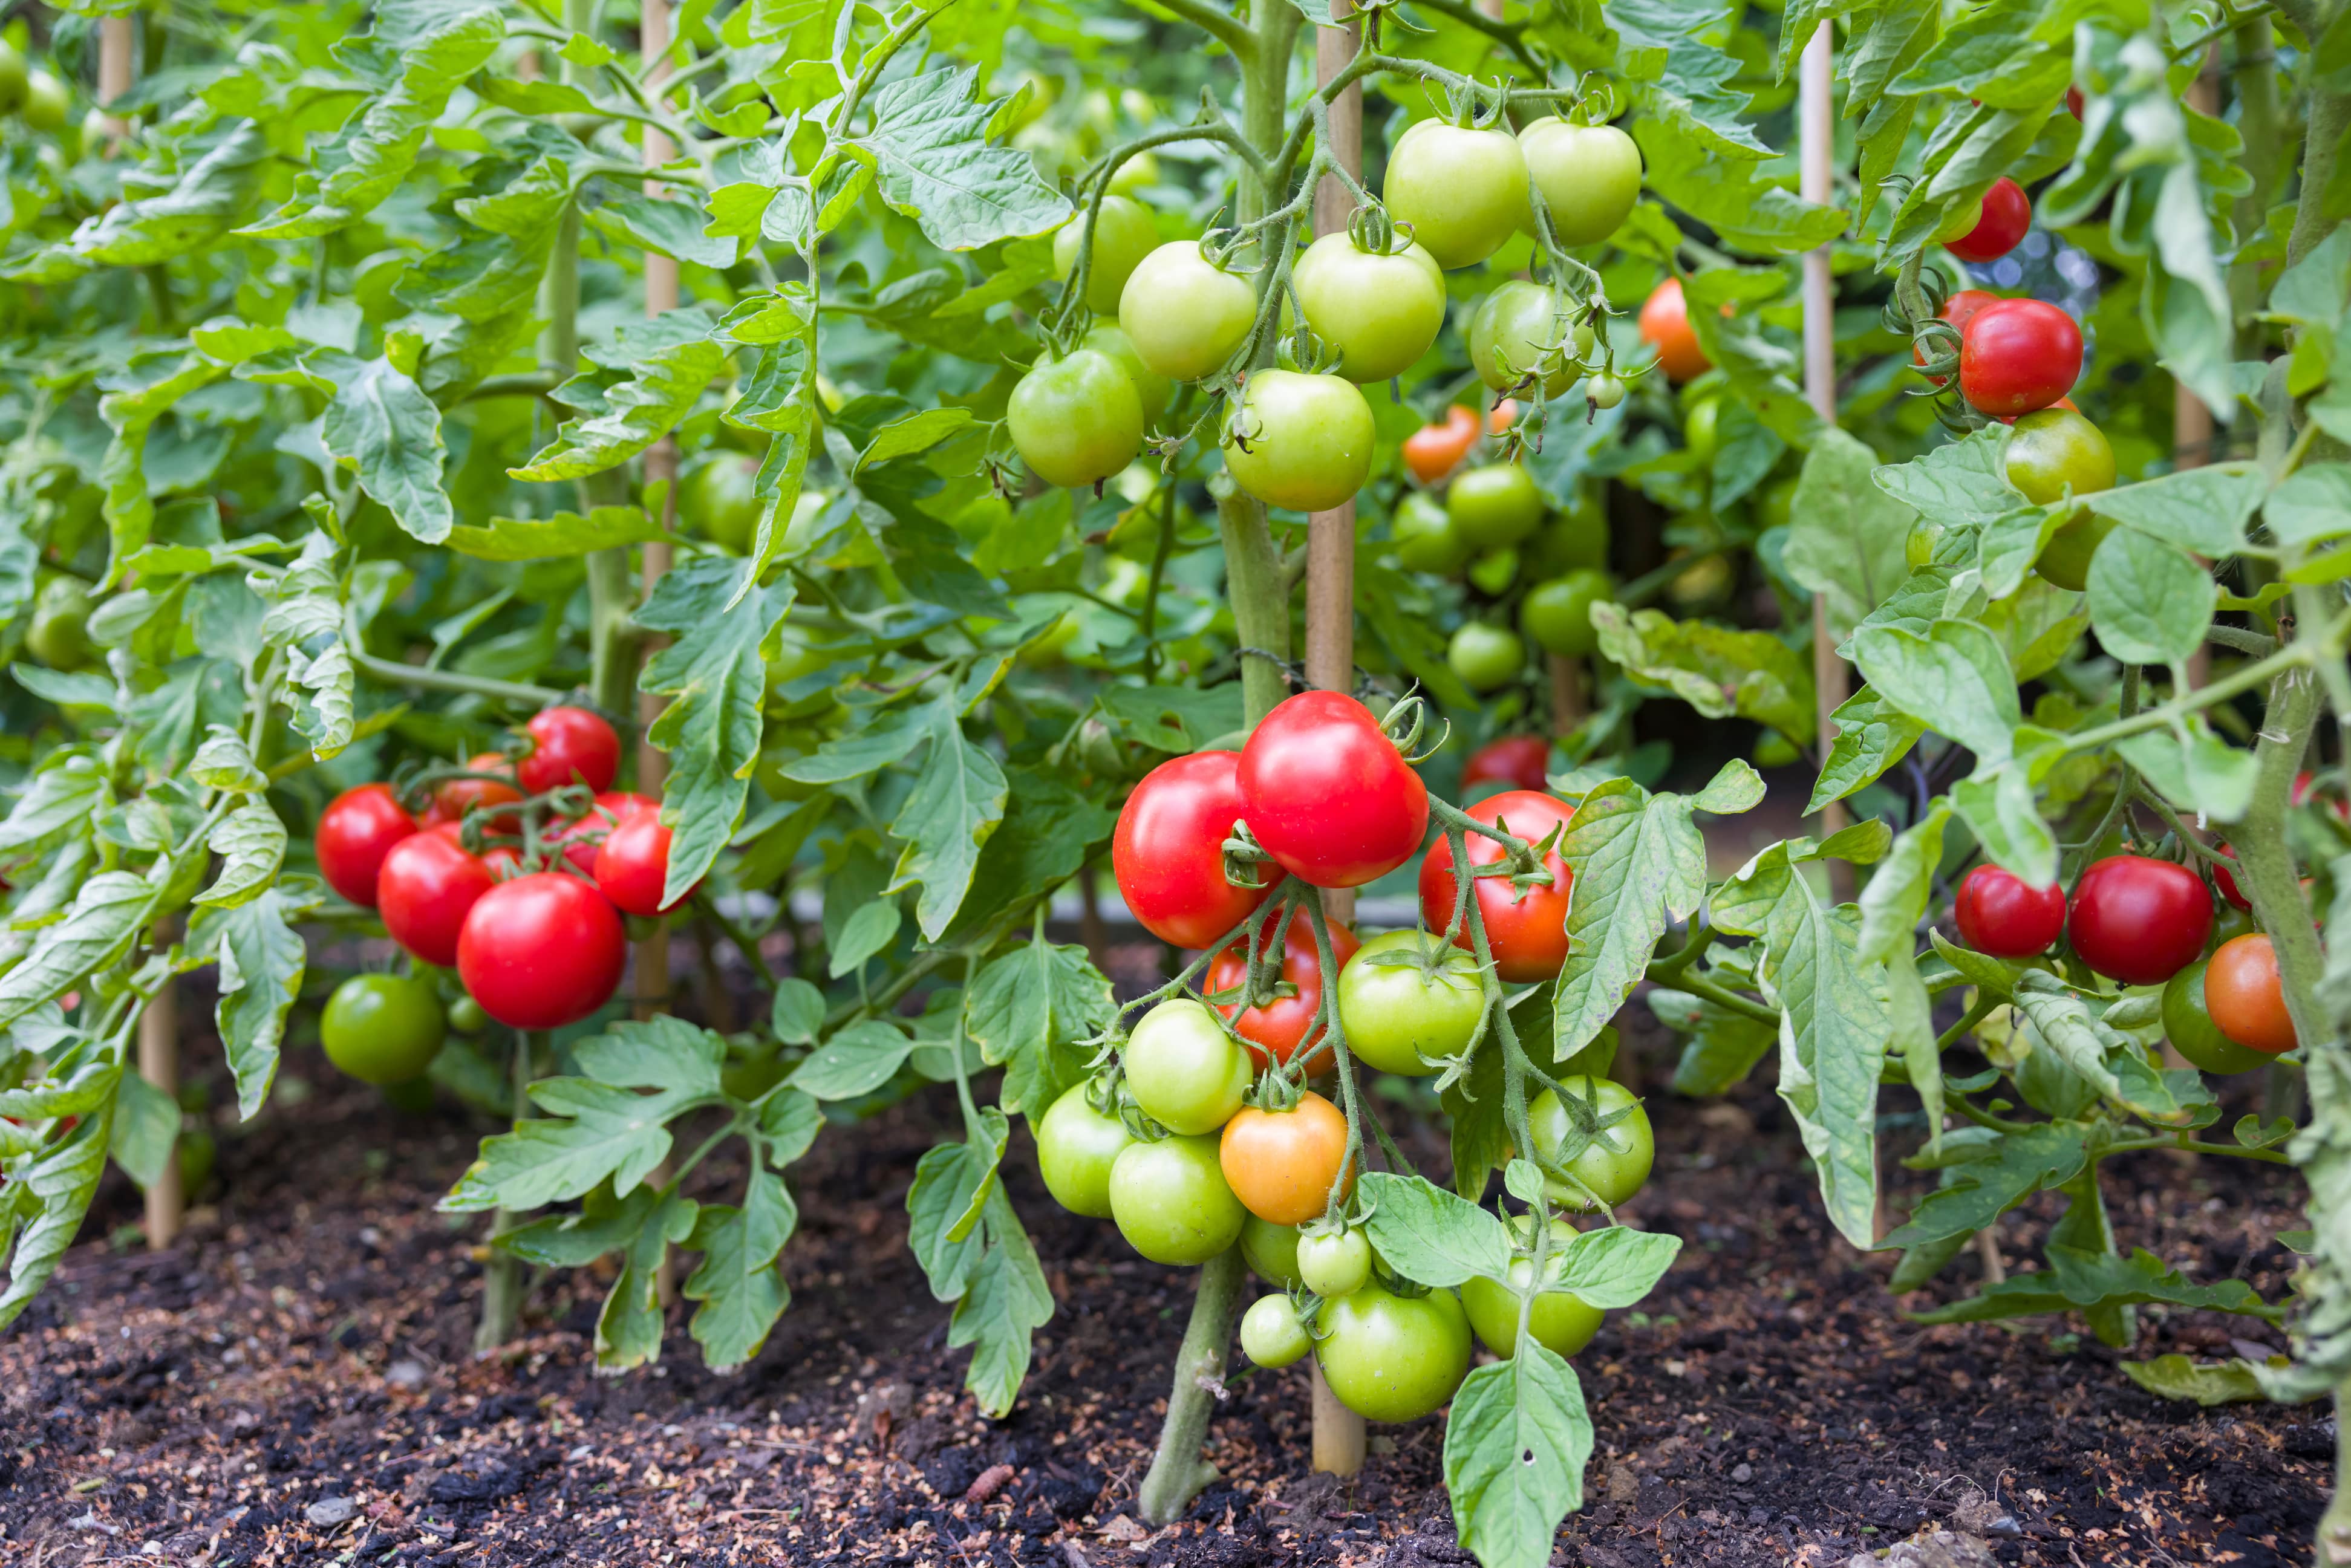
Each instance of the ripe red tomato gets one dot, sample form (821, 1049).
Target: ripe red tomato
(2073, 101)
(1283, 1164)
(634, 865)
(504, 862)
(1273, 1029)
(2019, 355)
(1959, 310)
(356, 830)
(569, 746)
(1525, 929)
(1519, 759)
(1664, 323)
(2226, 881)
(2139, 921)
(1168, 852)
(541, 951)
(583, 835)
(428, 885)
(453, 799)
(2304, 783)
(2007, 213)
(1999, 914)
(2243, 991)
(1327, 793)
(1436, 450)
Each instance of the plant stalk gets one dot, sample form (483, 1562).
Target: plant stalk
(1178, 1473)
(502, 1275)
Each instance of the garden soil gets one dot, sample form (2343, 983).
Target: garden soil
(292, 1383)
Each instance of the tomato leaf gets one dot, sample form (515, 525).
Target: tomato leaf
(251, 842)
(146, 1127)
(1721, 672)
(63, 795)
(1723, 1046)
(2205, 1382)
(738, 1284)
(1431, 1235)
(2084, 1281)
(1847, 535)
(1954, 678)
(1639, 865)
(947, 818)
(1030, 1011)
(1516, 1443)
(647, 378)
(860, 1059)
(262, 960)
(106, 914)
(43, 1205)
(932, 160)
(2150, 600)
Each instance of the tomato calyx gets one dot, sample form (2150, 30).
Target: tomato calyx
(1588, 1127)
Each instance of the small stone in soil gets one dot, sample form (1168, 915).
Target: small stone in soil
(329, 1511)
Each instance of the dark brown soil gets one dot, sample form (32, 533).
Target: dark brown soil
(307, 1341)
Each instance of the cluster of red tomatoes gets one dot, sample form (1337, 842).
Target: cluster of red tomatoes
(493, 878)
(2146, 922)
(1203, 1139)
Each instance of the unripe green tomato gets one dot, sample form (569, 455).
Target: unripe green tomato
(1184, 316)
(1123, 235)
(1381, 312)
(2187, 1024)
(1426, 538)
(1151, 388)
(59, 633)
(1699, 428)
(1486, 657)
(2228, 923)
(1590, 176)
(1605, 391)
(467, 1017)
(1393, 1358)
(383, 1029)
(1494, 572)
(1776, 505)
(1334, 1263)
(1558, 614)
(1273, 1251)
(1076, 1147)
(1497, 504)
(1515, 331)
(1077, 420)
(1919, 544)
(1171, 1201)
(96, 127)
(1184, 1072)
(1704, 584)
(1408, 999)
(1561, 1323)
(2065, 560)
(1271, 1334)
(2053, 450)
(14, 81)
(48, 104)
(1138, 172)
(720, 500)
(1575, 542)
(1616, 1162)
(1304, 441)
(1463, 191)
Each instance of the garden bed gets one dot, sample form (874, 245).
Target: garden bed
(293, 1383)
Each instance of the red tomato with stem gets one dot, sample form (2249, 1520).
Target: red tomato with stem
(2007, 213)
(2226, 880)
(454, 799)
(2019, 355)
(1327, 793)
(2137, 920)
(541, 951)
(635, 866)
(356, 830)
(2245, 998)
(1436, 450)
(1168, 853)
(1525, 927)
(1517, 760)
(429, 884)
(569, 746)
(2003, 914)
(1273, 1030)
(583, 835)
(1664, 325)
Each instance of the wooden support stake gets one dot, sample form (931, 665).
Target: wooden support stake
(1817, 142)
(159, 1065)
(114, 45)
(1339, 1436)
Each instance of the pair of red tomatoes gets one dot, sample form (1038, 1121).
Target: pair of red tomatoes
(2132, 919)
(1330, 799)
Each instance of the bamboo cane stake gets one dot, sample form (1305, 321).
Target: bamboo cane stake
(1816, 143)
(1339, 1436)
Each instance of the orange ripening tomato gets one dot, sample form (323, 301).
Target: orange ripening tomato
(1664, 325)
(1283, 1164)
(1501, 416)
(1436, 450)
(2242, 993)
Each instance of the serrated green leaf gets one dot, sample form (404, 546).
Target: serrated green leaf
(653, 371)
(146, 1129)
(798, 1012)
(251, 842)
(932, 161)
(1431, 1235)
(1516, 1443)
(1955, 679)
(106, 914)
(741, 1289)
(550, 538)
(2150, 600)
(42, 1207)
(1846, 535)
(860, 1059)
(1639, 865)
(261, 959)
(1029, 1010)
